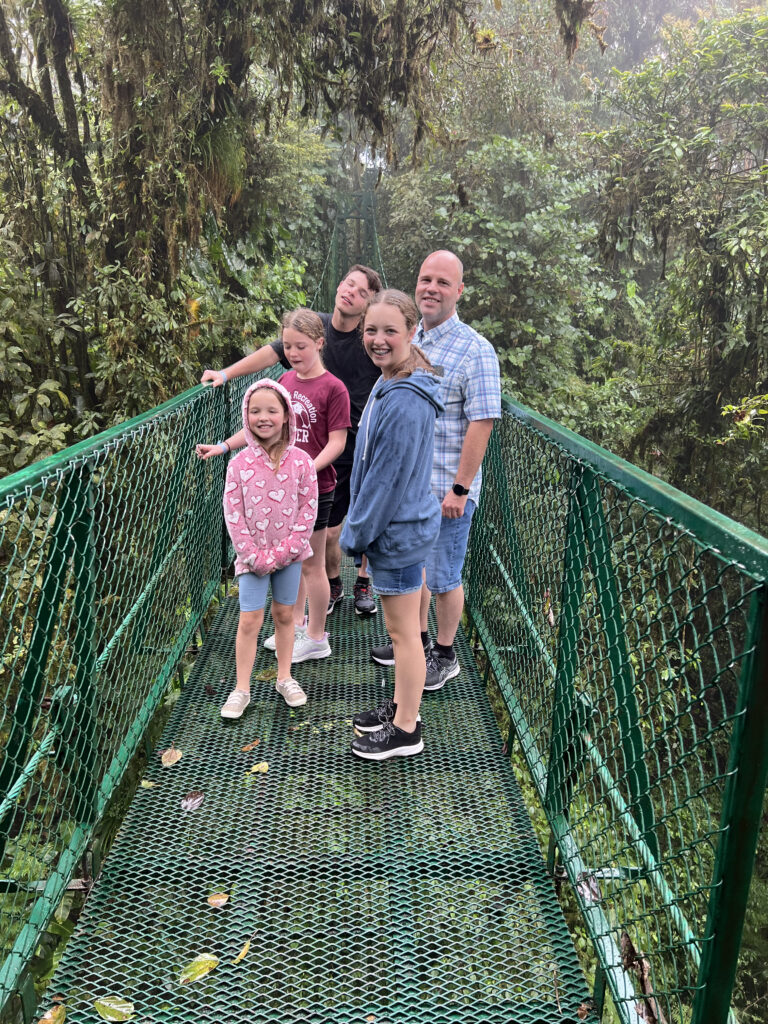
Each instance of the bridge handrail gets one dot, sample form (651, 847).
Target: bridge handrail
(734, 541)
(112, 551)
(627, 627)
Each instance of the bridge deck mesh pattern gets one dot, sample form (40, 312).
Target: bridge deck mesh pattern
(398, 892)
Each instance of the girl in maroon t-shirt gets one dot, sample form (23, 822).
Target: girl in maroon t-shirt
(321, 406)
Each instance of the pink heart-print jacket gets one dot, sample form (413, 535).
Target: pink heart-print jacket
(270, 513)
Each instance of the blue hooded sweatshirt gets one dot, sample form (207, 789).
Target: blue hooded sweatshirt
(394, 518)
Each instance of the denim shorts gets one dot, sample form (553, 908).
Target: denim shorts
(397, 581)
(285, 587)
(446, 559)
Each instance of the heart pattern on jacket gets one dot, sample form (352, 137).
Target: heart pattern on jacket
(270, 515)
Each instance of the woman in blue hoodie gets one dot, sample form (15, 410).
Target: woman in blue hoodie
(394, 518)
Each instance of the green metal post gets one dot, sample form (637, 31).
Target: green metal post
(616, 645)
(747, 774)
(562, 743)
(81, 751)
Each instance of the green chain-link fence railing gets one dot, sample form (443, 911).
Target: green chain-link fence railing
(626, 625)
(111, 553)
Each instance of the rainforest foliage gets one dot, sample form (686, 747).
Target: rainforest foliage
(171, 174)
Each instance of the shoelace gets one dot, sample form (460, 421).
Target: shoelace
(386, 732)
(289, 687)
(386, 711)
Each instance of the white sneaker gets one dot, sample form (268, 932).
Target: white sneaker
(236, 704)
(269, 643)
(291, 692)
(306, 649)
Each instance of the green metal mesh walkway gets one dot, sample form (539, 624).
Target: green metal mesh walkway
(626, 626)
(398, 892)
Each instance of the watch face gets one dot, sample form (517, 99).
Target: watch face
(459, 490)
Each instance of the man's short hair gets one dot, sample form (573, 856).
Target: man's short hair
(374, 281)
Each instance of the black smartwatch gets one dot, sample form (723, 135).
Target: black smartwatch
(460, 491)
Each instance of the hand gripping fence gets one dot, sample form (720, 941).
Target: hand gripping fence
(624, 623)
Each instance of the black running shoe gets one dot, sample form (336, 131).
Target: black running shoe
(369, 721)
(388, 741)
(363, 598)
(440, 670)
(385, 654)
(337, 595)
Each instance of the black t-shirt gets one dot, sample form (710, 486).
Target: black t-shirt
(344, 356)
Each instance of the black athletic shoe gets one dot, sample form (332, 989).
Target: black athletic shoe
(385, 654)
(440, 670)
(370, 721)
(363, 598)
(388, 741)
(337, 595)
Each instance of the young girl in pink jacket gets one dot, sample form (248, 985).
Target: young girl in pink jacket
(270, 506)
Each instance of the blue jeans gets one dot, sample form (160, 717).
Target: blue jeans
(446, 559)
(397, 581)
(285, 587)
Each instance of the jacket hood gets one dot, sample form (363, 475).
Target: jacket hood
(424, 382)
(267, 382)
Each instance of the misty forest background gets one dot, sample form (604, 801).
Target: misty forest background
(171, 173)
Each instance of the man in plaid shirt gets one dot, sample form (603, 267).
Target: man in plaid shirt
(471, 393)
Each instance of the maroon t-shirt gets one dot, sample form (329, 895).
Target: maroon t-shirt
(321, 405)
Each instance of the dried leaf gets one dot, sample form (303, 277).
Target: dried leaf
(146, 784)
(243, 953)
(170, 757)
(114, 1008)
(250, 746)
(260, 768)
(198, 968)
(192, 800)
(583, 1012)
(371, 1018)
(218, 899)
(56, 1015)
(210, 690)
(267, 675)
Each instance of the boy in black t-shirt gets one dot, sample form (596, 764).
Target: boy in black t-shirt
(344, 357)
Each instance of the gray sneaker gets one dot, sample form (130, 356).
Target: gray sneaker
(235, 704)
(291, 692)
(307, 649)
(440, 670)
(270, 643)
